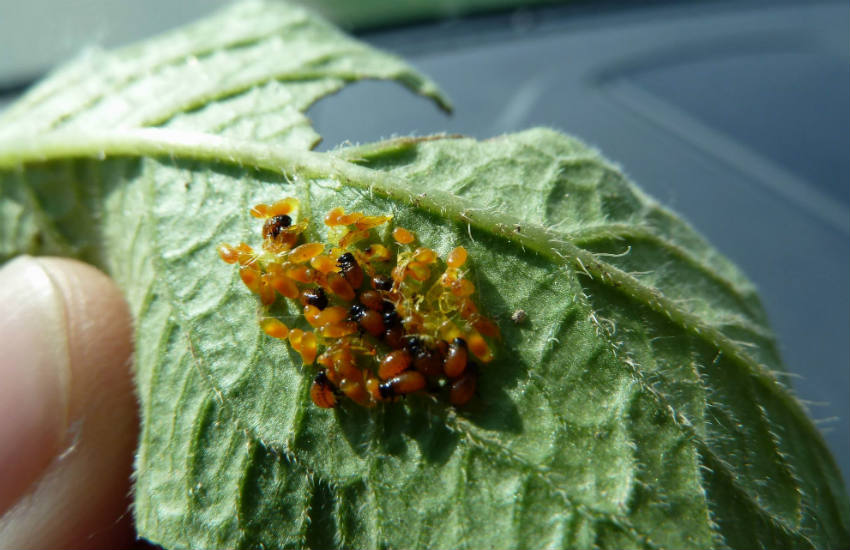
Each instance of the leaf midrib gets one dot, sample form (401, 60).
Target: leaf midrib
(158, 142)
(589, 235)
(207, 147)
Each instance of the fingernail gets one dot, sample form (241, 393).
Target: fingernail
(34, 375)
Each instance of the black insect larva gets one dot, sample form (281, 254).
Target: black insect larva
(407, 382)
(276, 224)
(316, 297)
(392, 319)
(382, 282)
(322, 391)
(356, 312)
(456, 358)
(350, 270)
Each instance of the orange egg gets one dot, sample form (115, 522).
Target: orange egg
(456, 257)
(274, 328)
(402, 235)
(228, 253)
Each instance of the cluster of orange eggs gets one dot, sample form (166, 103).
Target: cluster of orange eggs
(386, 322)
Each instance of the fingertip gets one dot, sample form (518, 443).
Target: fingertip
(100, 346)
(83, 492)
(34, 375)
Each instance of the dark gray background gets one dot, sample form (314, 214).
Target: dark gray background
(735, 114)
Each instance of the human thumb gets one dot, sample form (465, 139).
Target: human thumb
(68, 421)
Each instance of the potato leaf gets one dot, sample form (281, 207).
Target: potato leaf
(637, 406)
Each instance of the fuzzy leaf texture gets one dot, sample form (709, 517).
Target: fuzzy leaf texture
(638, 406)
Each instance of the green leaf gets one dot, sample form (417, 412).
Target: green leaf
(638, 406)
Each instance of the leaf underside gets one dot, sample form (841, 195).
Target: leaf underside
(638, 406)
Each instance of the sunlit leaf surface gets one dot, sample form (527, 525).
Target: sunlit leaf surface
(638, 405)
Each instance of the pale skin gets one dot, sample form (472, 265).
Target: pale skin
(68, 415)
